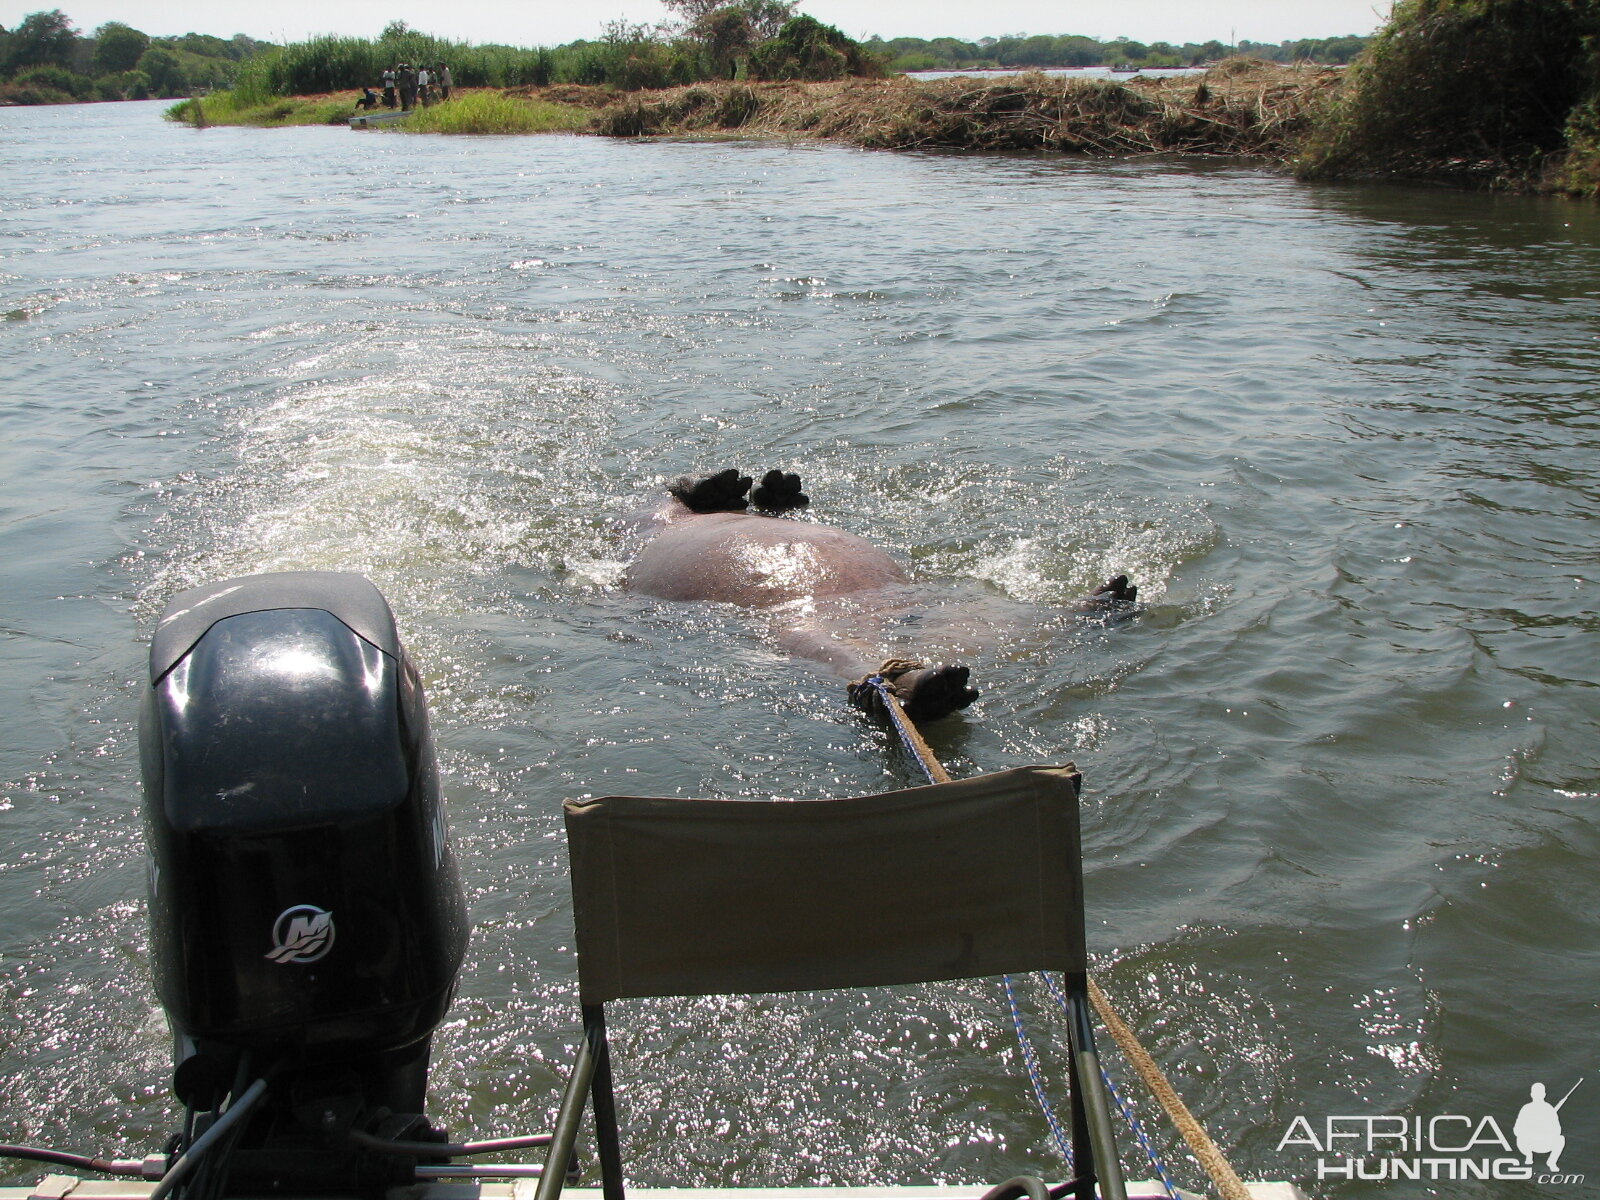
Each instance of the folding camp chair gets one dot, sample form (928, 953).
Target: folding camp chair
(675, 897)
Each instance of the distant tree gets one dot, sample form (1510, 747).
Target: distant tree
(241, 47)
(766, 17)
(807, 49)
(1342, 49)
(161, 68)
(1079, 52)
(394, 31)
(727, 35)
(44, 39)
(117, 47)
(203, 44)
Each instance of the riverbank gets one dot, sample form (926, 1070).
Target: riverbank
(1242, 107)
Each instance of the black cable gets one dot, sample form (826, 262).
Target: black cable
(82, 1162)
(1021, 1185)
(214, 1170)
(237, 1111)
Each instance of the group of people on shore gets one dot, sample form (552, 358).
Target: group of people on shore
(404, 86)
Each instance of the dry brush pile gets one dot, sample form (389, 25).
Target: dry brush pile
(1240, 108)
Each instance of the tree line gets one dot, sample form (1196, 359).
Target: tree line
(1071, 50)
(756, 39)
(45, 60)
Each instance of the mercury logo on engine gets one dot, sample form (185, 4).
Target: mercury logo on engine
(301, 934)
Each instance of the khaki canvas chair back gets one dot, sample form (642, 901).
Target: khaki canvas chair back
(675, 897)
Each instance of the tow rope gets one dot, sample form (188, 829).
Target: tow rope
(1211, 1159)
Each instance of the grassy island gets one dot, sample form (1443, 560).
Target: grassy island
(1243, 107)
(476, 110)
(1481, 93)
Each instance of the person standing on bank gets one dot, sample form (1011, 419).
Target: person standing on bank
(388, 87)
(423, 80)
(445, 82)
(408, 87)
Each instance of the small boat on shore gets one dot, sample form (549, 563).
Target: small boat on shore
(370, 120)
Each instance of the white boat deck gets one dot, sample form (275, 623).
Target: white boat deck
(63, 1187)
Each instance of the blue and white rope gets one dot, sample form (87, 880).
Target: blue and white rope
(932, 769)
(1122, 1105)
(899, 720)
(1031, 1060)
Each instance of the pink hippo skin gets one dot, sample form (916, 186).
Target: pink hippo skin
(829, 594)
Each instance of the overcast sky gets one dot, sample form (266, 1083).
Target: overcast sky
(545, 23)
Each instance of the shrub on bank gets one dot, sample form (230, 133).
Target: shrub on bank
(47, 85)
(807, 49)
(1472, 90)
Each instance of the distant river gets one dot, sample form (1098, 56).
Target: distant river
(1340, 815)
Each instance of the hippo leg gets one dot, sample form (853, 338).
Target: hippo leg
(1116, 590)
(925, 693)
(779, 492)
(722, 492)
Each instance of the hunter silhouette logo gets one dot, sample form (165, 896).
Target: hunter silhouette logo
(301, 934)
(1538, 1127)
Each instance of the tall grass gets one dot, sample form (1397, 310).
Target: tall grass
(626, 58)
(270, 112)
(491, 112)
(328, 64)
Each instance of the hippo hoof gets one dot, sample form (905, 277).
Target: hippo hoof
(1117, 590)
(779, 493)
(722, 492)
(925, 693)
(934, 692)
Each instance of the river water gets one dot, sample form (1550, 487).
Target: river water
(1341, 771)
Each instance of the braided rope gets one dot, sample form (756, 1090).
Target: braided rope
(1031, 1061)
(1228, 1183)
(909, 737)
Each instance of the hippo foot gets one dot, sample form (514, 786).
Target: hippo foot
(779, 493)
(722, 492)
(925, 693)
(1116, 590)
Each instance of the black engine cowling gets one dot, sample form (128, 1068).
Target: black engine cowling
(306, 912)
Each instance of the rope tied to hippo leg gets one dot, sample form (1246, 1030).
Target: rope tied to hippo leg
(880, 685)
(881, 682)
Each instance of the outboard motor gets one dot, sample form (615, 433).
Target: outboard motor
(307, 918)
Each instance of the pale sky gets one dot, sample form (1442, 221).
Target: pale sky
(544, 23)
